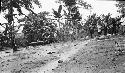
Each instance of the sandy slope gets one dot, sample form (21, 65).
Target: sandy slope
(36, 60)
(99, 56)
(63, 57)
(91, 56)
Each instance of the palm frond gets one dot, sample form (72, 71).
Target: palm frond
(59, 9)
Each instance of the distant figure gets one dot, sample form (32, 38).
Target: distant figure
(105, 29)
(122, 29)
(114, 26)
(99, 29)
(91, 29)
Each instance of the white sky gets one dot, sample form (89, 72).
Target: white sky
(99, 7)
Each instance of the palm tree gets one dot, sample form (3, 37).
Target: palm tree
(10, 5)
(57, 14)
(73, 15)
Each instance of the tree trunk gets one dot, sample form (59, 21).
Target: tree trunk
(11, 25)
(12, 35)
(114, 28)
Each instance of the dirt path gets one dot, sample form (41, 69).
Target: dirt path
(98, 56)
(63, 57)
(37, 60)
(90, 56)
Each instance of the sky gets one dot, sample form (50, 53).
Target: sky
(99, 7)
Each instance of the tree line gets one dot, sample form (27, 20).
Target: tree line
(40, 30)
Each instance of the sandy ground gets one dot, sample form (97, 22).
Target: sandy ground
(90, 56)
(98, 56)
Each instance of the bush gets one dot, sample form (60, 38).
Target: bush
(21, 42)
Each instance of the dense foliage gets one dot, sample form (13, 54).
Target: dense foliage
(70, 29)
(10, 5)
(103, 25)
(39, 28)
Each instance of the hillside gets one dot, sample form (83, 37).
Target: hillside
(81, 56)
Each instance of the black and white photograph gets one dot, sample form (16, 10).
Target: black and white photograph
(62, 36)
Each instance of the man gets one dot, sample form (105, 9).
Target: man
(99, 29)
(91, 28)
